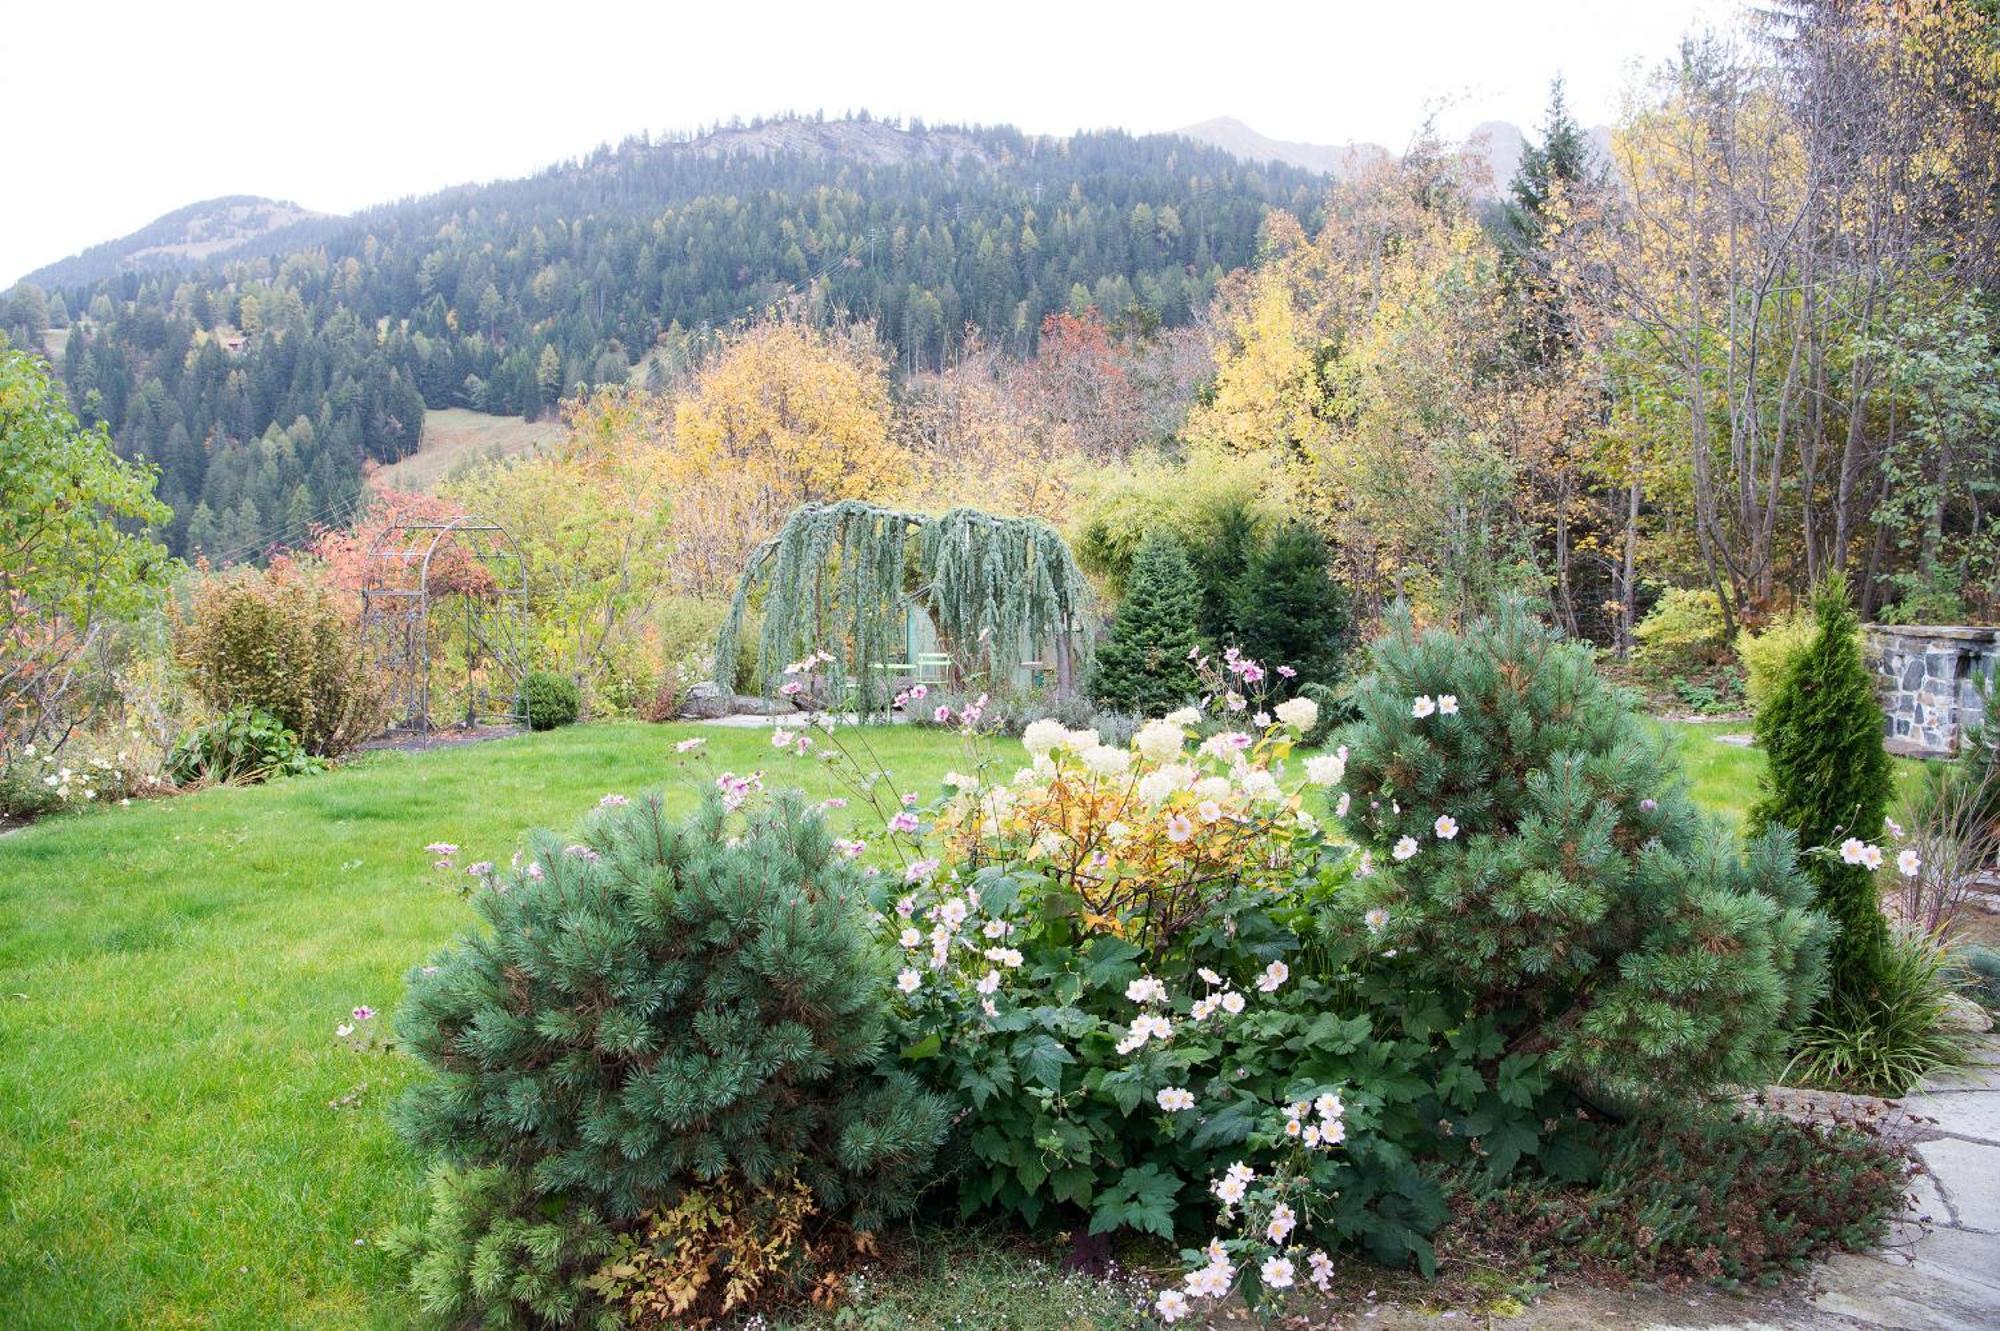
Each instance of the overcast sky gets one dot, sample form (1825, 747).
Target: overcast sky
(340, 106)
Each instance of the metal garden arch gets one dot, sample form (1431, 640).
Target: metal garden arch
(412, 565)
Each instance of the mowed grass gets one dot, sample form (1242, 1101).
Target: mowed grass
(170, 979)
(1723, 778)
(454, 437)
(184, 1143)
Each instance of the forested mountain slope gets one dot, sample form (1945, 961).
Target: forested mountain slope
(262, 380)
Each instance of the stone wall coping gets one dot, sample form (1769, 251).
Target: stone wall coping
(1953, 632)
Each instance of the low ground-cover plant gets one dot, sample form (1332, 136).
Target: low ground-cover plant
(1725, 1198)
(659, 1006)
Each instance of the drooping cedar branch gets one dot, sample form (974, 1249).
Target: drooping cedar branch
(837, 577)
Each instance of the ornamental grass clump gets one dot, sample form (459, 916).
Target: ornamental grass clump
(665, 1004)
(1531, 846)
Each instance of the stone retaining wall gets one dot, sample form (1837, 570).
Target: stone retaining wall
(1930, 678)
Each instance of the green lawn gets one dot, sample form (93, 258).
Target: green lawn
(183, 1142)
(170, 977)
(1723, 777)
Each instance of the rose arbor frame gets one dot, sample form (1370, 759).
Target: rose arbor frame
(411, 567)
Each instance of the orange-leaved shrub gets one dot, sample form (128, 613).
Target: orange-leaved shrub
(281, 639)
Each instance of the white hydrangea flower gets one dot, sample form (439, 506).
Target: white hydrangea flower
(1103, 760)
(1260, 786)
(1299, 713)
(1078, 742)
(1325, 769)
(1184, 716)
(1159, 741)
(1043, 736)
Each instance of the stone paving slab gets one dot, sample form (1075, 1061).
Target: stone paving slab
(1969, 1177)
(1973, 1114)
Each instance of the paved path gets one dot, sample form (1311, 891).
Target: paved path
(1941, 1268)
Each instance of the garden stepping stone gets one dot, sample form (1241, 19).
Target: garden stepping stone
(1940, 1270)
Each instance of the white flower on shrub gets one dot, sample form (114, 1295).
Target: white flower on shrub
(1328, 1106)
(1232, 1002)
(1446, 827)
(1159, 741)
(1211, 1281)
(989, 983)
(1298, 713)
(1163, 783)
(1209, 811)
(960, 782)
(1146, 989)
(1184, 716)
(1277, 1272)
(1346, 801)
(1871, 857)
(1325, 769)
(1851, 850)
(908, 980)
(1171, 1306)
(1103, 760)
(1179, 829)
(1447, 704)
(1274, 975)
(1405, 848)
(1321, 1267)
(1175, 1099)
(1043, 736)
(912, 939)
(1283, 1221)
(1259, 786)
(1423, 706)
(1212, 788)
(1005, 956)
(1908, 862)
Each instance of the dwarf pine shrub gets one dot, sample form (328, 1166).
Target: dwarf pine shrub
(1535, 850)
(668, 1001)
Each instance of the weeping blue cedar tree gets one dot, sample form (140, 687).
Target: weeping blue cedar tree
(1613, 929)
(671, 1001)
